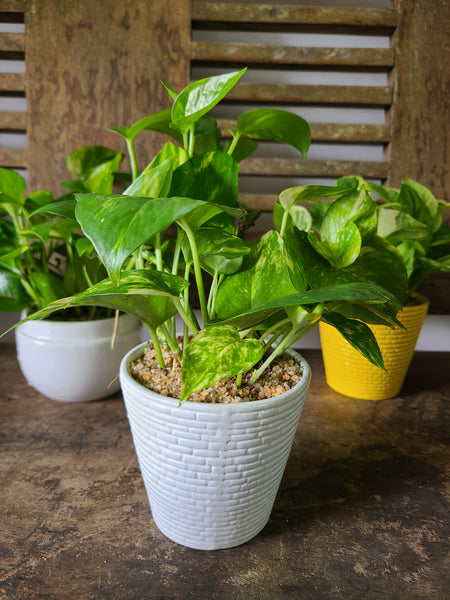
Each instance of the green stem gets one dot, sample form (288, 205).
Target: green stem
(273, 328)
(212, 297)
(156, 346)
(191, 142)
(278, 350)
(158, 255)
(184, 315)
(233, 144)
(238, 380)
(177, 252)
(284, 223)
(133, 160)
(171, 342)
(197, 270)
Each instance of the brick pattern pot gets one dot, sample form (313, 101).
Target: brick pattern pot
(211, 471)
(348, 373)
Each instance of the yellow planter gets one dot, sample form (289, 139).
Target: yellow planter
(348, 373)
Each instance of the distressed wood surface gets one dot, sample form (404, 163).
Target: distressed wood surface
(13, 120)
(102, 68)
(362, 511)
(292, 55)
(12, 42)
(12, 6)
(13, 82)
(291, 167)
(15, 159)
(420, 117)
(297, 15)
(331, 132)
(313, 94)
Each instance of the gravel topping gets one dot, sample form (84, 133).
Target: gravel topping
(281, 376)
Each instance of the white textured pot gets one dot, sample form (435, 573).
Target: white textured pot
(72, 361)
(211, 471)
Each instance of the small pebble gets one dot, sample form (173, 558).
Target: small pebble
(282, 375)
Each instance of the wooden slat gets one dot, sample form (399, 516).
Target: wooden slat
(13, 120)
(12, 42)
(332, 132)
(313, 94)
(293, 15)
(13, 158)
(12, 82)
(8, 6)
(292, 55)
(291, 167)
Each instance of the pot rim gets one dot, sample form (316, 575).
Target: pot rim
(208, 406)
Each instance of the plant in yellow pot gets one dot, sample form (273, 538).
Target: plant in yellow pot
(409, 218)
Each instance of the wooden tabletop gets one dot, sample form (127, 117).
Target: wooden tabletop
(362, 511)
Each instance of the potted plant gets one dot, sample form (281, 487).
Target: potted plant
(43, 258)
(409, 218)
(214, 437)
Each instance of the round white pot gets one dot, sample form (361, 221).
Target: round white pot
(72, 361)
(211, 471)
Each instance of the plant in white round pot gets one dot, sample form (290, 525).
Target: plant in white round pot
(43, 258)
(212, 454)
(409, 218)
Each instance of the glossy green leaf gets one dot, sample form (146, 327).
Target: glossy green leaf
(212, 177)
(299, 217)
(264, 275)
(420, 203)
(200, 97)
(159, 122)
(275, 125)
(83, 161)
(359, 335)
(12, 293)
(153, 182)
(217, 352)
(136, 295)
(378, 263)
(12, 186)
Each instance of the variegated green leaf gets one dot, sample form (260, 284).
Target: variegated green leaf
(217, 352)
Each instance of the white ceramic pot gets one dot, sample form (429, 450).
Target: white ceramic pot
(72, 361)
(211, 471)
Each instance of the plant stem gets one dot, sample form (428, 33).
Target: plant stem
(172, 343)
(156, 346)
(197, 270)
(184, 315)
(284, 223)
(133, 160)
(279, 349)
(233, 144)
(238, 380)
(158, 255)
(273, 328)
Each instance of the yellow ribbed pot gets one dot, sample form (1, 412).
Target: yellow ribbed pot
(348, 373)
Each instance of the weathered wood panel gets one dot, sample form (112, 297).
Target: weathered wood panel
(313, 94)
(15, 159)
(288, 14)
(8, 6)
(12, 42)
(13, 120)
(312, 168)
(12, 82)
(94, 65)
(292, 55)
(420, 146)
(331, 132)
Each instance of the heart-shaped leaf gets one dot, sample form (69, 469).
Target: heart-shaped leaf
(217, 352)
(275, 125)
(200, 97)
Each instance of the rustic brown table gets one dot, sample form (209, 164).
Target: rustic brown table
(362, 511)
